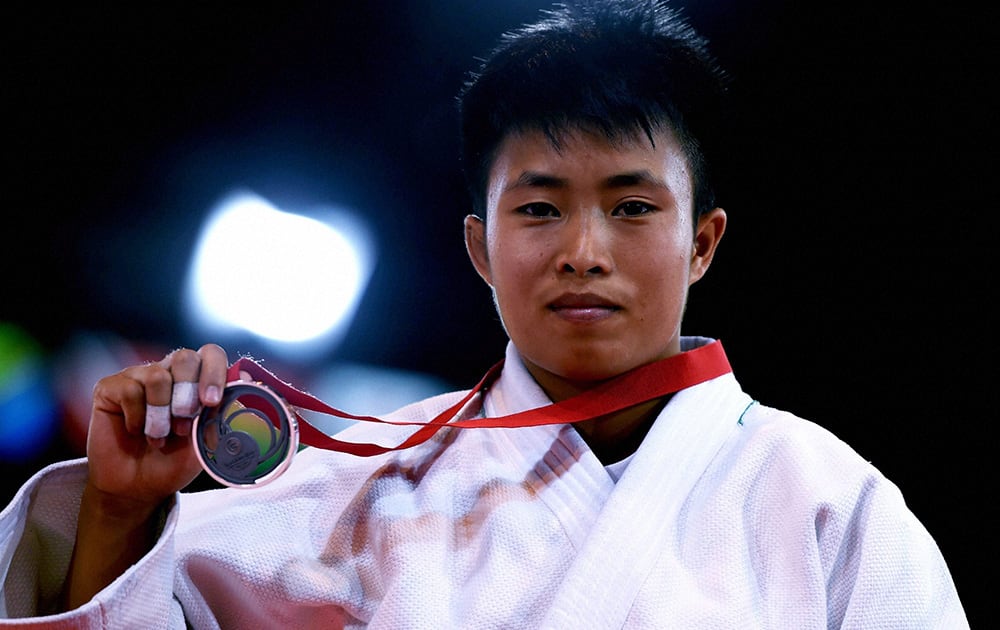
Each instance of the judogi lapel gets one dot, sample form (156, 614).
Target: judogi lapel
(636, 527)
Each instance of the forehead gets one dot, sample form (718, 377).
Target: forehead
(582, 159)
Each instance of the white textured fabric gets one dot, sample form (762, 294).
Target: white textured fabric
(730, 514)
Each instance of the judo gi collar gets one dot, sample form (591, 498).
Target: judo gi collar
(249, 457)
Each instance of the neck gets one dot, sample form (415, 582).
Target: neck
(616, 436)
(611, 419)
(612, 437)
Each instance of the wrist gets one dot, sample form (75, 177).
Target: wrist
(113, 533)
(116, 510)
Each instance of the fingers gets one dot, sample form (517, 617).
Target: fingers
(184, 401)
(184, 366)
(157, 421)
(177, 387)
(212, 379)
(157, 417)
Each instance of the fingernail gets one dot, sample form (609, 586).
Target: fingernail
(212, 395)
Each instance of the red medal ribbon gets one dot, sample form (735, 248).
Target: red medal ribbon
(640, 385)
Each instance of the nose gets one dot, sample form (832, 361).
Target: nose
(585, 247)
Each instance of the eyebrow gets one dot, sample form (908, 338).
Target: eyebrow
(534, 179)
(635, 178)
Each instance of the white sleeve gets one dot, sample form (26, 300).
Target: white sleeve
(886, 569)
(37, 532)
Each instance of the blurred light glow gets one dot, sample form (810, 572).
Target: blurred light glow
(279, 275)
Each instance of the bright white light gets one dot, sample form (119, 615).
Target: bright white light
(281, 276)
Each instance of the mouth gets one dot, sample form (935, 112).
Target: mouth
(583, 307)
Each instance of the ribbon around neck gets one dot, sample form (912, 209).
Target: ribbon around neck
(642, 384)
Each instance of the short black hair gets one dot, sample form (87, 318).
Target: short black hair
(620, 68)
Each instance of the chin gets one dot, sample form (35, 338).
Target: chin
(598, 367)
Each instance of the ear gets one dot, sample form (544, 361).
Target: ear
(475, 244)
(711, 226)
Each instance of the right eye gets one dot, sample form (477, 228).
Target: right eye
(539, 210)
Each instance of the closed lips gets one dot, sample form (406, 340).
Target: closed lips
(582, 301)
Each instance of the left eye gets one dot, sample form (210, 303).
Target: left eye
(632, 209)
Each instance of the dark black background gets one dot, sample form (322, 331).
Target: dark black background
(852, 287)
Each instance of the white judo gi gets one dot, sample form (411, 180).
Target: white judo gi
(731, 514)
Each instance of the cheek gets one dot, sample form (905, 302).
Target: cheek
(510, 273)
(517, 259)
(662, 280)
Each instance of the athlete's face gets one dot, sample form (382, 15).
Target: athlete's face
(589, 250)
